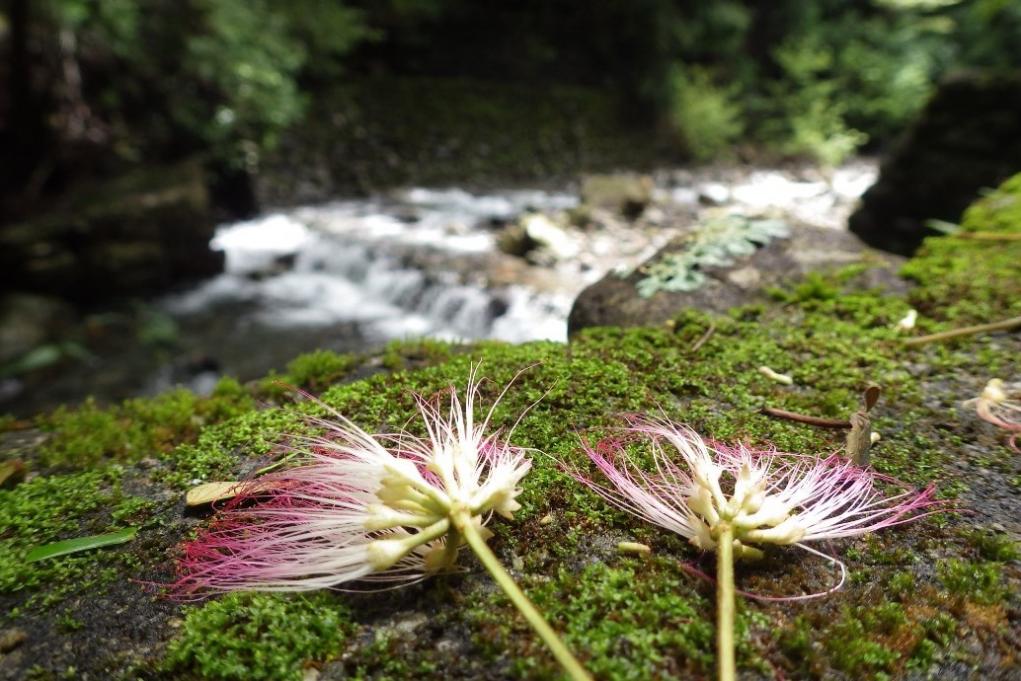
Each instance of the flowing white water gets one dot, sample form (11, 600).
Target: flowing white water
(353, 274)
(411, 265)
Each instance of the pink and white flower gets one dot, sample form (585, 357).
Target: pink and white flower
(360, 507)
(765, 497)
(1000, 405)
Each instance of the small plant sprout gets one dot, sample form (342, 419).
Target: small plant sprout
(735, 501)
(1000, 405)
(372, 508)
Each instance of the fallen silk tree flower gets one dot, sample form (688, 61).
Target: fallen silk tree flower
(1000, 405)
(383, 508)
(772, 498)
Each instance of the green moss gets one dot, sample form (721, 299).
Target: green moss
(901, 585)
(48, 509)
(319, 370)
(69, 623)
(402, 354)
(851, 650)
(253, 637)
(994, 546)
(220, 448)
(981, 582)
(629, 618)
(635, 620)
(815, 286)
(966, 280)
(384, 659)
(90, 435)
(876, 641)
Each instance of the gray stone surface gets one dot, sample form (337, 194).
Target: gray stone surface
(614, 301)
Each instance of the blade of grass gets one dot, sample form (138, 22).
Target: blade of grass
(62, 548)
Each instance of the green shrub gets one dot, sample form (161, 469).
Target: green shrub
(706, 115)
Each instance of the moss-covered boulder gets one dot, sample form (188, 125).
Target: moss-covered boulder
(617, 300)
(370, 134)
(939, 598)
(140, 233)
(624, 193)
(967, 138)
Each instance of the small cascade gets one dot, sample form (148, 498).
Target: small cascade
(408, 266)
(351, 275)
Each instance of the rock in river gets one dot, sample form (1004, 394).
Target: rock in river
(617, 301)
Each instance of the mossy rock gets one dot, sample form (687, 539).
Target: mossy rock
(142, 232)
(617, 300)
(937, 598)
(968, 138)
(370, 134)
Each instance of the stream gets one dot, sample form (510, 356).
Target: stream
(353, 274)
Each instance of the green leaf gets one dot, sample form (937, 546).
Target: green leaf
(943, 227)
(62, 548)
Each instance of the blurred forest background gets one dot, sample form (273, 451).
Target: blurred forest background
(93, 87)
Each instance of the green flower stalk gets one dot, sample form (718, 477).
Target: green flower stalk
(734, 501)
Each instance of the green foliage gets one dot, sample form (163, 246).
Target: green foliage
(986, 33)
(712, 30)
(716, 244)
(246, 56)
(258, 637)
(78, 544)
(706, 115)
(814, 78)
(224, 72)
(811, 104)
